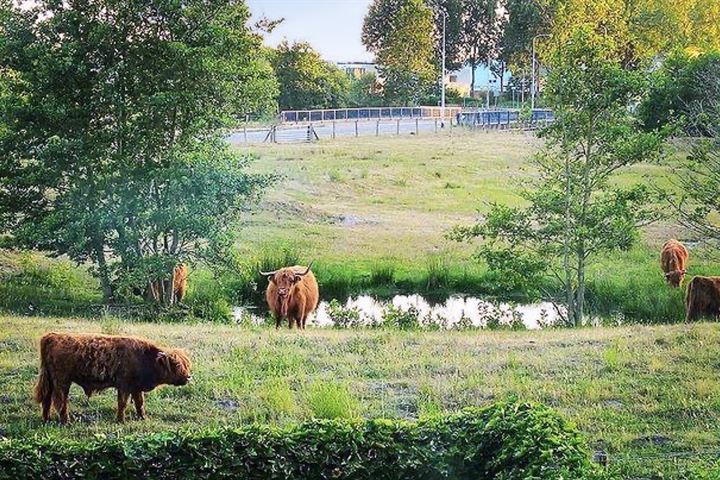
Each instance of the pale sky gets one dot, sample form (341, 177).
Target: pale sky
(332, 27)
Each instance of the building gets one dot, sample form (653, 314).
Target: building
(357, 69)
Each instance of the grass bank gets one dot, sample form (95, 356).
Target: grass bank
(647, 395)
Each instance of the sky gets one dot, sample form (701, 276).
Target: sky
(332, 27)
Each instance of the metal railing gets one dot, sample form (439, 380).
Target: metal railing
(499, 118)
(366, 113)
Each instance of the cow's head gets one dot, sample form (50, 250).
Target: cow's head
(285, 280)
(174, 367)
(675, 278)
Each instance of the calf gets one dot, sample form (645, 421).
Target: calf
(97, 362)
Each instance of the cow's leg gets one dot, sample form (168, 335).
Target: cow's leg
(139, 400)
(122, 398)
(60, 394)
(278, 321)
(291, 321)
(47, 403)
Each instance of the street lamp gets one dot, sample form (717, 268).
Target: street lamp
(532, 93)
(442, 93)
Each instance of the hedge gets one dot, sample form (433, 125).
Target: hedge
(508, 440)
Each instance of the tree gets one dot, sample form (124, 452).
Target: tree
(523, 20)
(682, 85)
(306, 80)
(108, 112)
(575, 210)
(399, 32)
(365, 91)
(698, 203)
(481, 29)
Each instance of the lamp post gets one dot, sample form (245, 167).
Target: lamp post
(442, 93)
(532, 92)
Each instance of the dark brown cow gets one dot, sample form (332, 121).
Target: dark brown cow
(703, 298)
(673, 261)
(293, 294)
(96, 362)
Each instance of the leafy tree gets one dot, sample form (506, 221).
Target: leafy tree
(365, 91)
(399, 32)
(524, 19)
(575, 211)
(109, 108)
(306, 80)
(481, 30)
(698, 204)
(681, 86)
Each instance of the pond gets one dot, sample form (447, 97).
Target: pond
(453, 312)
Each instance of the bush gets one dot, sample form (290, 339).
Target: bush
(402, 319)
(343, 317)
(505, 441)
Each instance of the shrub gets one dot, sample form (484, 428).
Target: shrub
(505, 441)
(403, 319)
(343, 317)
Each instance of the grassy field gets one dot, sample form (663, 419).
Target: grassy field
(643, 394)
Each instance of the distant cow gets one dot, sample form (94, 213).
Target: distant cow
(293, 294)
(703, 298)
(154, 290)
(673, 260)
(97, 362)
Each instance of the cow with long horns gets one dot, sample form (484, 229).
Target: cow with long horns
(292, 293)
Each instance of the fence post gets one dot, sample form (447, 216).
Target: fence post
(333, 131)
(377, 128)
(436, 125)
(245, 132)
(356, 128)
(417, 126)
(397, 130)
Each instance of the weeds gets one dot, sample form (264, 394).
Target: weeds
(332, 400)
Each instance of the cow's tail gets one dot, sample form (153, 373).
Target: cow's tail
(43, 388)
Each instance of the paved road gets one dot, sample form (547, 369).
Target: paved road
(289, 133)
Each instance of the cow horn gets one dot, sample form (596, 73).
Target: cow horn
(306, 271)
(268, 273)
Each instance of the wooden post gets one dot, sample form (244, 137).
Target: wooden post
(333, 131)
(417, 126)
(397, 129)
(377, 128)
(436, 125)
(356, 128)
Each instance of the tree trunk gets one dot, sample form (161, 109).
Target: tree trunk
(569, 294)
(473, 65)
(580, 294)
(104, 272)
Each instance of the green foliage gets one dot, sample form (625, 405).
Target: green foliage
(399, 33)
(679, 90)
(343, 317)
(332, 400)
(575, 212)
(506, 441)
(306, 80)
(402, 319)
(108, 150)
(365, 91)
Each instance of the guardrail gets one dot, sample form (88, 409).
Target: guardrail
(367, 113)
(499, 118)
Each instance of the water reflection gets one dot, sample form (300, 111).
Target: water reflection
(456, 309)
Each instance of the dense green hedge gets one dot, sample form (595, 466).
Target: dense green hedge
(504, 441)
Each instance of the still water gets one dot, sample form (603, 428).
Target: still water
(455, 309)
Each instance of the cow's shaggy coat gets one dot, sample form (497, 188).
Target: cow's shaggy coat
(96, 362)
(673, 261)
(703, 298)
(292, 293)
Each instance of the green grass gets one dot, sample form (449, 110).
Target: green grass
(639, 392)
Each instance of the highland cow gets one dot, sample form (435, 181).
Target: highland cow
(703, 298)
(97, 362)
(292, 293)
(673, 261)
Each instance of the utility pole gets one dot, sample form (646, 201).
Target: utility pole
(532, 92)
(442, 94)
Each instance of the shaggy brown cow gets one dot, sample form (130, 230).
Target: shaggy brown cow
(293, 294)
(703, 298)
(673, 261)
(96, 362)
(153, 291)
